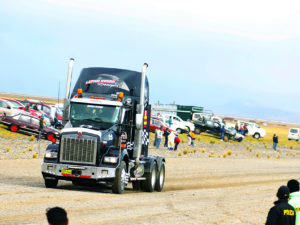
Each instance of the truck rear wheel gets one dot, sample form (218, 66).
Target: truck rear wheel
(149, 184)
(160, 178)
(120, 179)
(51, 183)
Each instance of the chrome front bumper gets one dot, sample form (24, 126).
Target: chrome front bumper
(90, 172)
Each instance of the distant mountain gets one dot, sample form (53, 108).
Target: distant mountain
(250, 110)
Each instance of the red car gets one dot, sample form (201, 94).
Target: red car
(30, 124)
(19, 105)
(51, 112)
(156, 123)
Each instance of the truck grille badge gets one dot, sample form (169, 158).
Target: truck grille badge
(79, 134)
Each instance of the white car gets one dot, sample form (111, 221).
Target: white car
(8, 108)
(254, 129)
(294, 134)
(178, 124)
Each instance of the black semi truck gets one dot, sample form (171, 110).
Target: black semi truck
(106, 134)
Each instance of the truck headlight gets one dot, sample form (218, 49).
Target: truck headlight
(110, 159)
(51, 155)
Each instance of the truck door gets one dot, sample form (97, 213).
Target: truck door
(196, 116)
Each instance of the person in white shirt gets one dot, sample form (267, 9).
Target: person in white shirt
(158, 134)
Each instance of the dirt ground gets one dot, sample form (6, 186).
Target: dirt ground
(197, 191)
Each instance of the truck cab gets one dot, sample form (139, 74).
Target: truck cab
(106, 133)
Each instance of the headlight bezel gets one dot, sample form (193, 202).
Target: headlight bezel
(51, 155)
(110, 159)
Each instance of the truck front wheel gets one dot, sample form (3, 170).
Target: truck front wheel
(120, 179)
(160, 179)
(149, 184)
(51, 183)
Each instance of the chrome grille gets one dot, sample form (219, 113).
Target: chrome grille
(77, 150)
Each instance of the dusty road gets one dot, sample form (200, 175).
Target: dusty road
(197, 191)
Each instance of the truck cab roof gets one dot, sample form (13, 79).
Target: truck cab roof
(106, 81)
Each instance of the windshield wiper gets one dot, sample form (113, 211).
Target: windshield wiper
(94, 119)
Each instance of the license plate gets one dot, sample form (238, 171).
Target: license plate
(66, 172)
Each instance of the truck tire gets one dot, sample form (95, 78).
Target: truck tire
(120, 177)
(197, 130)
(160, 178)
(51, 183)
(256, 135)
(149, 184)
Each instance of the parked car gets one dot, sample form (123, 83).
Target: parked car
(56, 113)
(294, 134)
(254, 129)
(178, 124)
(37, 105)
(20, 106)
(30, 124)
(60, 106)
(156, 123)
(7, 108)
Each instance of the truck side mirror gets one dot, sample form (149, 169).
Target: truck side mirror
(139, 121)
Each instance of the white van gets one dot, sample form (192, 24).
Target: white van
(294, 134)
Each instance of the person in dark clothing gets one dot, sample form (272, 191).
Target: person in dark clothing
(166, 134)
(275, 141)
(282, 213)
(41, 127)
(237, 127)
(41, 122)
(27, 108)
(222, 132)
(177, 141)
(57, 216)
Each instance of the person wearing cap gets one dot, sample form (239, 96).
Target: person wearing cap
(282, 213)
(294, 200)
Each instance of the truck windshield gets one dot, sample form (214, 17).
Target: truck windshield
(100, 116)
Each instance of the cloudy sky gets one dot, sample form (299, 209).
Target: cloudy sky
(206, 53)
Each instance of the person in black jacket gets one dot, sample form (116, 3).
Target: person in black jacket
(275, 141)
(282, 213)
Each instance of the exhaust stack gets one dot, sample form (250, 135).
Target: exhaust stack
(139, 118)
(71, 62)
(66, 100)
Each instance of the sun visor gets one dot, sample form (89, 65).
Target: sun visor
(109, 80)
